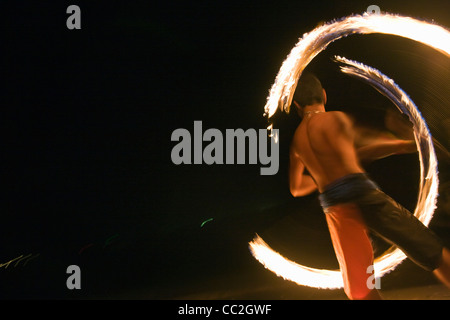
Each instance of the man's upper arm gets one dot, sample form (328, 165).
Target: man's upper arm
(296, 169)
(296, 166)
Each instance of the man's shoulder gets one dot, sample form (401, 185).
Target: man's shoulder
(337, 114)
(335, 122)
(337, 117)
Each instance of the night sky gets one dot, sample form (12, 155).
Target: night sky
(87, 117)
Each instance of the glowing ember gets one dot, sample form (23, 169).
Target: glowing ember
(281, 97)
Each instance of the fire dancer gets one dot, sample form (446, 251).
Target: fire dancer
(324, 145)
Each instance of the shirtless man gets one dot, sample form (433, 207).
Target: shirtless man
(324, 144)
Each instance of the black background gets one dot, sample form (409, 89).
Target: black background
(86, 121)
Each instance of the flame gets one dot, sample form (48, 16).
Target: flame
(312, 43)
(289, 270)
(281, 96)
(428, 167)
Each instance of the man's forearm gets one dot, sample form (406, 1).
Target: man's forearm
(385, 148)
(306, 187)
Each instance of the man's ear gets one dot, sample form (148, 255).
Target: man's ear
(324, 97)
(299, 108)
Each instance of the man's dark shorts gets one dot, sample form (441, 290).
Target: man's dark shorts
(386, 218)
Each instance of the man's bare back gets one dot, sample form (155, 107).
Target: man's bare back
(324, 144)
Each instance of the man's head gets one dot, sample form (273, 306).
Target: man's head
(309, 92)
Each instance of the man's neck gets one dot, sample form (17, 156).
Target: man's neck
(312, 109)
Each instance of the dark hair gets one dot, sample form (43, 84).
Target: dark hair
(309, 90)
